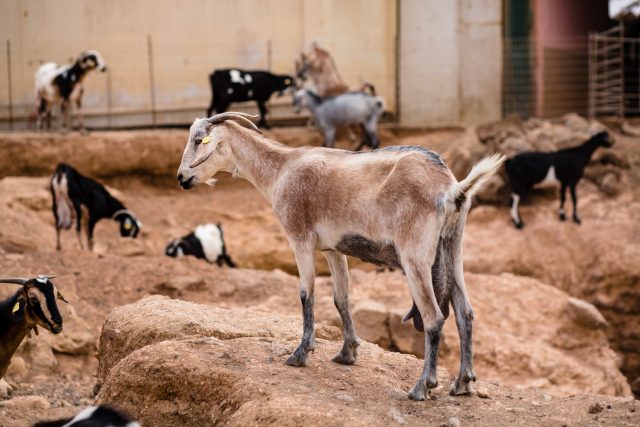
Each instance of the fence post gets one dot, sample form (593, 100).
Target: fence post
(109, 99)
(152, 85)
(9, 84)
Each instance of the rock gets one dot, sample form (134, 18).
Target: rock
(482, 393)
(5, 389)
(372, 320)
(17, 368)
(76, 337)
(586, 314)
(177, 285)
(24, 403)
(234, 375)
(453, 422)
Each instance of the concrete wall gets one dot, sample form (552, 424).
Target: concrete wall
(190, 38)
(450, 61)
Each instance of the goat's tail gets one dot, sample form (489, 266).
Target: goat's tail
(368, 88)
(480, 173)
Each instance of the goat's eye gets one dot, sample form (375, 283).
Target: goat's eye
(34, 301)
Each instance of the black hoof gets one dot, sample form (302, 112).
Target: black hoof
(562, 217)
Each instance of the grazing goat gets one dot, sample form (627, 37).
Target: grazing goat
(398, 206)
(342, 110)
(70, 191)
(206, 242)
(33, 305)
(235, 85)
(318, 64)
(93, 416)
(63, 84)
(566, 166)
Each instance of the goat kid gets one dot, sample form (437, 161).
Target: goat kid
(235, 85)
(206, 242)
(353, 108)
(526, 170)
(399, 206)
(62, 84)
(93, 416)
(33, 305)
(71, 190)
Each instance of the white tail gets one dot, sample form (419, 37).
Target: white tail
(478, 175)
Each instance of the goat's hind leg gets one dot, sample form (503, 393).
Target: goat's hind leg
(306, 269)
(340, 273)
(418, 271)
(464, 315)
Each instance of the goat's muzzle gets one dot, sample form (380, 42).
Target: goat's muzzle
(186, 184)
(56, 328)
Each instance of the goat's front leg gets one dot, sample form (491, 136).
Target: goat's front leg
(66, 111)
(340, 273)
(563, 193)
(306, 270)
(574, 199)
(418, 273)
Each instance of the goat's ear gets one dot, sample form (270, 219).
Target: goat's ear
(18, 309)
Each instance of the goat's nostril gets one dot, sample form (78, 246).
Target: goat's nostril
(180, 177)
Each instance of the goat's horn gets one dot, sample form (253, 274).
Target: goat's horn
(14, 280)
(241, 118)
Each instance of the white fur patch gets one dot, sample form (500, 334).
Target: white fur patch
(514, 207)
(550, 178)
(211, 240)
(247, 78)
(229, 91)
(85, 414)
(250, 92)
(64, 207)
(236, 77)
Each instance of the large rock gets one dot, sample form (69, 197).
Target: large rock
(233, 374)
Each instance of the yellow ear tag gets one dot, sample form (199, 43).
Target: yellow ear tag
(16, 307)
(127, 226)
(206, 139)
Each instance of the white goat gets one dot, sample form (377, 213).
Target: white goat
(63, 84)
(399, 206)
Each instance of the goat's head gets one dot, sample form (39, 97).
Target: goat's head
(37, 302)
(92, 60)
(130, 226)
(285, 84)
(207, 151)
(175, 248)
(603, 139)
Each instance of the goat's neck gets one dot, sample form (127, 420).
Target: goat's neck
(11, 335)
(258, 160)
(588, 148)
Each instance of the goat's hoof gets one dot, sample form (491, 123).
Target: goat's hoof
(519, 225)
(562, 217)
(577, 220)
(298, 358)
(461, 388)
(345, 358)
(419, 392)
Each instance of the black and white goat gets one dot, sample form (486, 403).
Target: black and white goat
(71, 190)
(33, 305)
(566, 166)
(236, 85)
(93, 416)
(62, 84)
(206, 242)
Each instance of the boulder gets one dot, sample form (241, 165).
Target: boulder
(233, 374)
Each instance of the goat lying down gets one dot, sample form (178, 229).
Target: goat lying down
(398, 206)
(70, 191)
(93, 416)
(33, 305)
(205, 242)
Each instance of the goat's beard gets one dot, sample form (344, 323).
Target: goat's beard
(211, 182)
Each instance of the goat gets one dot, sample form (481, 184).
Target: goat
(63, 84)
(33, 305)
(398, 206)
(206, 242)
(93, 416)
(566, 166)
(235, 85)
(71, 190)
(341, 110)
(318, 64)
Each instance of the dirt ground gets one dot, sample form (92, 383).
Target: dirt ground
(140, 167)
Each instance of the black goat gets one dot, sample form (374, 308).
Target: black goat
(206, 242)
(235, 85)
(71, 190)
(566, 166)
(93, 416)
(33, 305)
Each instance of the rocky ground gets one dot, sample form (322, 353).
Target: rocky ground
(535, 334)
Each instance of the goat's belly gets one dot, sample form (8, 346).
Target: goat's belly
(379, 253)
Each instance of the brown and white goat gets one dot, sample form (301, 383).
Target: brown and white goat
(398, 206)
(33, 305)
(318, 64)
